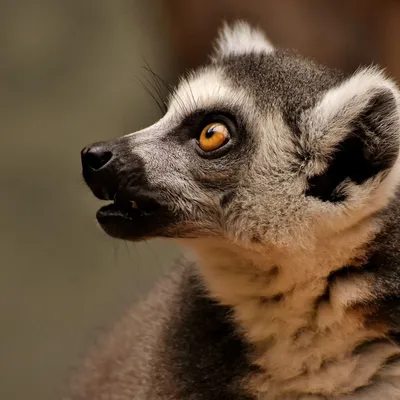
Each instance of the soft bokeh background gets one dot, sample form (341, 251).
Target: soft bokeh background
(68, 77)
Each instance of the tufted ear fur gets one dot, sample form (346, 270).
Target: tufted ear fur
(351, 135)
(240, 38)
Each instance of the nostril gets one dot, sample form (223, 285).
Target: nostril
(95, 157)
(97, 160)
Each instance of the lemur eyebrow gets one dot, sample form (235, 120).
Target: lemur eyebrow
(210, 114)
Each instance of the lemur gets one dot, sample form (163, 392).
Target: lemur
(279, 176)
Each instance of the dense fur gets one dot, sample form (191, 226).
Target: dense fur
(192, 362)
(292, 288)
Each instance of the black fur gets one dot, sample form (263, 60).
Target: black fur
(210, 363)
(363, 153)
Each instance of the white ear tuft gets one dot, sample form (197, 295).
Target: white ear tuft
(240, 38)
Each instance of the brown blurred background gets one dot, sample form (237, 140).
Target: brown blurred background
(68, 77)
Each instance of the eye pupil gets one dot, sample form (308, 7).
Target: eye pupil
(210, 133)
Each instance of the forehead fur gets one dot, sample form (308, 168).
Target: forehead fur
(240, 38)
(209, 89)
(280, 80)
(276, 81)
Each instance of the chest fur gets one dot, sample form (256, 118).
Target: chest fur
(311, 334)
(303, 345)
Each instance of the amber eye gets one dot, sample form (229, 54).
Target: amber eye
(213, 136)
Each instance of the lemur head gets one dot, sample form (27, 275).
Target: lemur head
(260, 146)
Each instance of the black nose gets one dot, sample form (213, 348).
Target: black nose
(95, 157)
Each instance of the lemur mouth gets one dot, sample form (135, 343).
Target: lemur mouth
(135, 218)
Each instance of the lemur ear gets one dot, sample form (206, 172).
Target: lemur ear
(351, 135)
(240, 38)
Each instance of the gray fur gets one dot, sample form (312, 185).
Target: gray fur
(132, 363)
(292, 226)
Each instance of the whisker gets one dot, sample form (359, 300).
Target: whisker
(158, 84)
(152, 95)
(158, 81)
(153, 252)
(157, 89)
(170, 89)
(128, 251)
(114, 244)
(191, 93)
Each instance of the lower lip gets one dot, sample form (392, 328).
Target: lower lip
(125, 224)
(116, 223)
(110, 210)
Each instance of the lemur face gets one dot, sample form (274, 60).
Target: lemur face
(261, 146)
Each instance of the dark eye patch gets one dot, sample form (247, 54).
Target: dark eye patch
(193, 124)
(189, 130)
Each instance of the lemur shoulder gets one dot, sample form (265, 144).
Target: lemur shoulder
(281, 177)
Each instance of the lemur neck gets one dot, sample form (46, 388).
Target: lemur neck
(294, 314)
(236, 275)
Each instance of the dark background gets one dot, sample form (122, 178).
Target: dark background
(68, 77)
